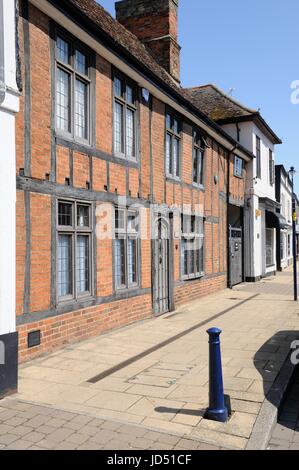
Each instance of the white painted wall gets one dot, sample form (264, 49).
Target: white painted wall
(256, 188)
(8, 108)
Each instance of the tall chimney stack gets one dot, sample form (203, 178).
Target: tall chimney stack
(155, 23)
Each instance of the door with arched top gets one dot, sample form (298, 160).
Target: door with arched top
(161, 300)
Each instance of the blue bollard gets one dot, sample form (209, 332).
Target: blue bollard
(217, 410)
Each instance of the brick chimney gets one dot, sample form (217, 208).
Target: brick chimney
(155, 23)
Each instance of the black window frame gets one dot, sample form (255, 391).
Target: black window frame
(126, 233)
(258, 157)
(122, 100)
(174, 136)
(87, 79)
(199, 147)
(74, 231)
(190, 233)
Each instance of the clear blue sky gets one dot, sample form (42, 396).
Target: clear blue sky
(251, 46)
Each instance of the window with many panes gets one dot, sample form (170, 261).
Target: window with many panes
(258, 158)
(173, 143)
(72, 88)
(198, 158)
(192, 246)
(238, 167)
(74, 267)
(125, 110)
(126, 257)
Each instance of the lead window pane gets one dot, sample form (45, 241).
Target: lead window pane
(82, 262)
(132, 222)
(132, 256)
(176, 158)
(201, 167)
(168, 154)
(120, 263)
(80, 109)
(80, 62)
(64, 265)
(129, 94)
(117, 87)
(130, 133)
(176, 126)
(72, 90)
(65, 214)
(195, 166)
(62, 50)
(83, 216)
(63, 100)
(172, 157)
(126, 248)
(192, 263)
(118, 127)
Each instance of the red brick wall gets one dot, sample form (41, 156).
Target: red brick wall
(40, 270)
(158, 146)
(63, 164)
(111, 178)
(59, 331)
(40, 93)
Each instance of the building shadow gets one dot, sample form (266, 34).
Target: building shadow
(273, 362)
(200, 413)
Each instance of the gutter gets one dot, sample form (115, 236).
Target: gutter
(2, 70)
(72, 18)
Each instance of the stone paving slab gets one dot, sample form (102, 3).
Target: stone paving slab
(61, 430)
(167, 390)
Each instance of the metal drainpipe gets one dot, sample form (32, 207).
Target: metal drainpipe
(2, 70)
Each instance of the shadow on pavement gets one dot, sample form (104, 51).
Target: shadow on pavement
(271, 361)
(183, 411)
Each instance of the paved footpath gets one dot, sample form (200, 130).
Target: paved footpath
(286, 432)
(26, 426)
(163, 385)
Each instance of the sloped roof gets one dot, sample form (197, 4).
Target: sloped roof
(92, 14)
(223, 109)
(122, 36)
(217, 105)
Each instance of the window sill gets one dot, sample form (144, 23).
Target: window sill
(193, 278)
(75, 303)
(124, 157)
(72, 140)
(198, 186)
(173, 179)
(123, 290)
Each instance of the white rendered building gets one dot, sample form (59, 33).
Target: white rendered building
(259, 219)
(9, 106)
